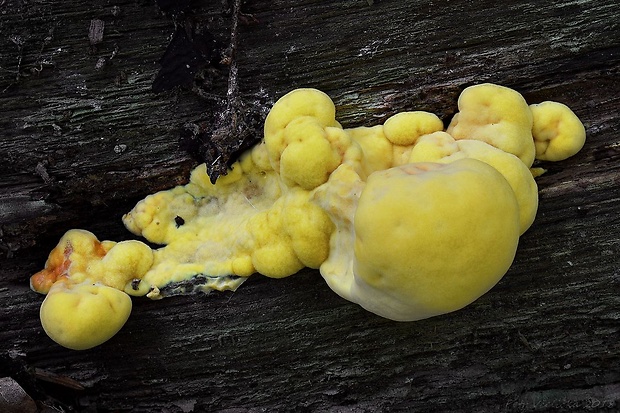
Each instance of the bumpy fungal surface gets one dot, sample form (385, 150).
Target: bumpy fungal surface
(407, 219)
(427, 239)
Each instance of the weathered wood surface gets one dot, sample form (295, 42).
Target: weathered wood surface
(80, 144)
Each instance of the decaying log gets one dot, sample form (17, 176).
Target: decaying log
(84, 137)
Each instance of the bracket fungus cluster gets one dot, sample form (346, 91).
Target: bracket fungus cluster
(407, 219)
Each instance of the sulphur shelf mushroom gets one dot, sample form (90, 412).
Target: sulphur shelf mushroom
(82, 316)
(407, 219)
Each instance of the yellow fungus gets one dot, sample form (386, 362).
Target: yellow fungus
(498, 116)
(405, 219)
(558, 133)
(429, 239)
(82, 316)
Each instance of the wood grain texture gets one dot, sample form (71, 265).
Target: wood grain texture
(81, 144)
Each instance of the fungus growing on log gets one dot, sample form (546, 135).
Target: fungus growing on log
(405, 219)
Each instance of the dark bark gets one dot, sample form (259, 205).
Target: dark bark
(84, 137)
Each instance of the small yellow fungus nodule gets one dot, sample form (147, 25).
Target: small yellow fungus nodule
(82, 316)
(406, 219)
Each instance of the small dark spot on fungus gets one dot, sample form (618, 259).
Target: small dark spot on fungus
(179, 221)
(135, 284)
